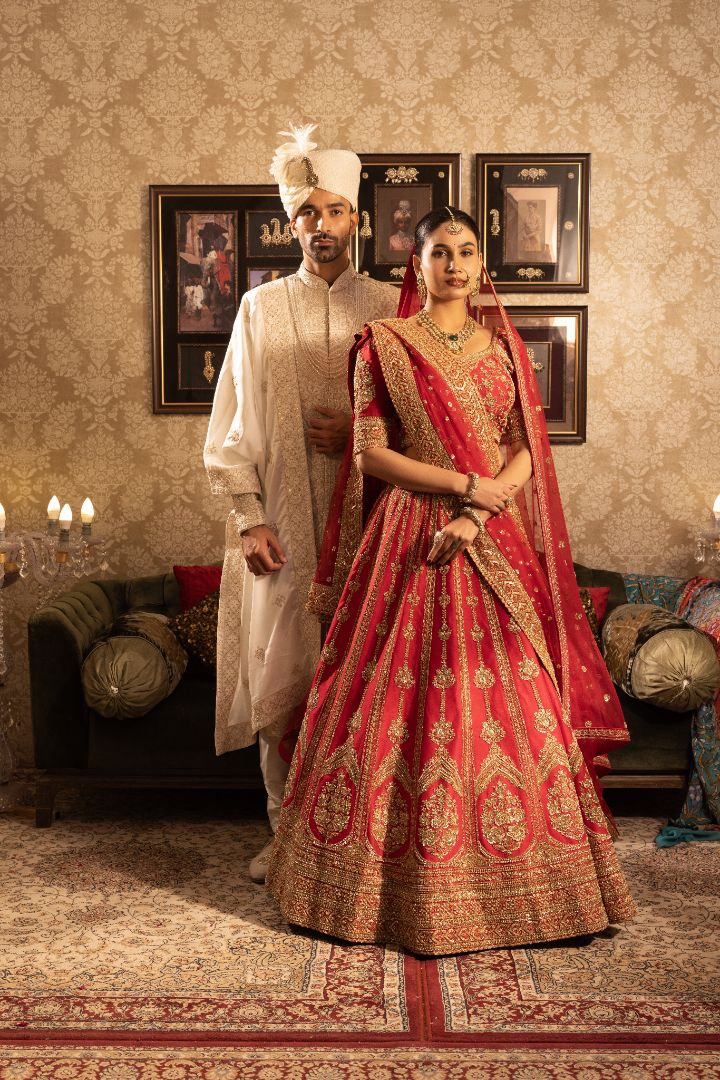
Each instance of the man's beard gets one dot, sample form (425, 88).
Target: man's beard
(327, 254)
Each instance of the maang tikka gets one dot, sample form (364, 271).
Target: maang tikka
(454, 227)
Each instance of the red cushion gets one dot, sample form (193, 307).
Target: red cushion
(599, 597)
(196, 582)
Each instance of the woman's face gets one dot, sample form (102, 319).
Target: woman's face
(449, 263)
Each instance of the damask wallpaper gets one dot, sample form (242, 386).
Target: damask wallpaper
(103, 97)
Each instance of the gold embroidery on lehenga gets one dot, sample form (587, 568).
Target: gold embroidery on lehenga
(441, 766)
(390, 819)
(563, 807)
(528, 669)
(331, 812)
(497, 763)
(552, 755)
(545, 720)
(590, 803)
(355, 722)
(442, 732)
(404, 678)
(491, 731)
(438, 822)
(503, 819)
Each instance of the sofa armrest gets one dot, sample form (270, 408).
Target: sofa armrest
(59, 636)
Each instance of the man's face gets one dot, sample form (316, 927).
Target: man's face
(323, 226)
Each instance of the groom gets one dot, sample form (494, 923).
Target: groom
(279, 425)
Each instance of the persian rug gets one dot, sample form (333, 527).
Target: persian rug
(65, 1063)
(140, 941)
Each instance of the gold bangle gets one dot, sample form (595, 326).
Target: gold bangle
(472, 514)
(473, 481)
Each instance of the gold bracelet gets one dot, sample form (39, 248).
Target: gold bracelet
(471, 513)
(473, 481)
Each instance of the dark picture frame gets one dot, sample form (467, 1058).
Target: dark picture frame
(534, 218)
(208, 243)
(396, 190)
(556, 340)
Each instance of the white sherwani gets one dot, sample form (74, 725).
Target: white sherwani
(288, 353)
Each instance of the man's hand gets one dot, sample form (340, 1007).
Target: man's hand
(263, 551)
(329, 432)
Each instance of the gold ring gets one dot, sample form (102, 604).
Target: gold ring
(438, 537)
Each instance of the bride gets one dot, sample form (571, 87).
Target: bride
(443, 794)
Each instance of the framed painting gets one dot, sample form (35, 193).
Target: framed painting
(395, 192)
(533, 213)
(209, 244)
(556, 341)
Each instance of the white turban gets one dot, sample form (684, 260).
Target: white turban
(299, 167)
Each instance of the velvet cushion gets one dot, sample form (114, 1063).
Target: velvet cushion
(196, 582)
(656, 656)
(196, 630)
(132, 668)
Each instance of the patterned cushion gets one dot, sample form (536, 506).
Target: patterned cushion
(196, 629)
(656, 656)
(132, 668)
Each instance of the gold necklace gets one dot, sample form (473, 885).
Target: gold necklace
(454, 342)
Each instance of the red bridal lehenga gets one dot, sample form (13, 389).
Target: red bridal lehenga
(443, 793)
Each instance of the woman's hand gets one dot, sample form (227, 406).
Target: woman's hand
(453, 538)
(492, 495)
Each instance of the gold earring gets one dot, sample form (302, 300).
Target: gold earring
(421, 287)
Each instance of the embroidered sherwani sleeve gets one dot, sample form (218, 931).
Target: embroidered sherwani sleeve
(235, 447)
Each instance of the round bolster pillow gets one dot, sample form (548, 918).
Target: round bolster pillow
(137, 665)
(656, 656)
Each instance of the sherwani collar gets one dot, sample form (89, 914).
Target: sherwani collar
(345, 281)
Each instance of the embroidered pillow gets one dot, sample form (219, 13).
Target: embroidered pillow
(196, 630)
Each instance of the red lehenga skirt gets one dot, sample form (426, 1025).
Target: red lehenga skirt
(437, 799)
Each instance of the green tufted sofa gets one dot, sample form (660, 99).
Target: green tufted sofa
(173, 745)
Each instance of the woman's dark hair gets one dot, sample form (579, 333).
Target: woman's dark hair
(437, 217)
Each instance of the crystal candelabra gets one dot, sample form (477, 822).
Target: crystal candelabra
(52, 558)
(707, 543)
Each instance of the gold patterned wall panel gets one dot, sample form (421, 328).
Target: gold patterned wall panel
(103, 97)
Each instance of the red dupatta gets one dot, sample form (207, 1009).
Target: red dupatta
(531, 572)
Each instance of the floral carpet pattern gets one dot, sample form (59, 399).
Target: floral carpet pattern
(136, 947)
(17, 1063)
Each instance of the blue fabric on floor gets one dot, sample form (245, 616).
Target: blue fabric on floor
(675, 834)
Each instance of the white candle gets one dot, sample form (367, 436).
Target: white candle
(53, 510)
(66, 518)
